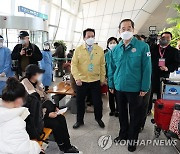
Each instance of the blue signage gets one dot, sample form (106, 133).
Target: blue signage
(32, 12)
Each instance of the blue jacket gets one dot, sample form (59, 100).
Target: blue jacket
(46, 64)
(130, 67)
(5, 65)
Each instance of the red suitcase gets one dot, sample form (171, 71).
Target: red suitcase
(163, 111)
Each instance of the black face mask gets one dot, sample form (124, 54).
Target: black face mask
(163, 42)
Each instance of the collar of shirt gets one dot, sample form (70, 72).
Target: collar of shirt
(89, 48)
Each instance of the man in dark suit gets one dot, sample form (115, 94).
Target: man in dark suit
(164, 61)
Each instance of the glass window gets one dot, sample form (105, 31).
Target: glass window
(5, 7)
(54, 15)
(64, 19)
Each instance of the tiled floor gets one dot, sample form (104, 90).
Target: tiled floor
(86, 137)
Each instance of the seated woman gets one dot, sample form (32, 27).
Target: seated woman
(51, 119)
(13, 136)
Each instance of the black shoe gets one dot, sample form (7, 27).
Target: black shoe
(111, 113)
(101, 123)
(78, 124)
(118, 139)
(116, 114)
(72, 149)
(131, 148)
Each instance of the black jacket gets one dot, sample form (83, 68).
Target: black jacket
(36, 55)
(34, 122)
(171, 62)
(59, 52)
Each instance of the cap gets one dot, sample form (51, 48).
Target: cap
(23, 34)
(33, 69)
(1, 38)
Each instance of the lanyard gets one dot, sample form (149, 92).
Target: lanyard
(162, 53)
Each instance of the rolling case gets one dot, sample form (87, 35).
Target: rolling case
(163, 111)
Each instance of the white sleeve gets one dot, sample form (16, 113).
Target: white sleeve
(19, 141)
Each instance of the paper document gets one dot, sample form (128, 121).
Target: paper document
(62, 111)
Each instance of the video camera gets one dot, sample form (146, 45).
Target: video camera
(153, 37)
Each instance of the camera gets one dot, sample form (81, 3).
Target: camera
(28, 51)
(153, 37)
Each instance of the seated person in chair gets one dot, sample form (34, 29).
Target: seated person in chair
(13, 136)
(51, 119)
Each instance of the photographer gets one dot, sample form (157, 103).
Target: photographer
(25, 53)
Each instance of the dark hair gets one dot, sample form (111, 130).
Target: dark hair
(88, 30)
(137, 36)
(13, 90)
(126, 20)
(56, 44)
(166, 33)
(143, 36)
(110, 39)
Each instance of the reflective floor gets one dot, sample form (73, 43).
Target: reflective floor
(86, 137)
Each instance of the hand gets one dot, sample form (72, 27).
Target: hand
(111, 91)
(57, 110)
(23, 52)
(53, 115)
(142, 93)
(164, 68)
(2, 74)
(104, 83)
(78, 82)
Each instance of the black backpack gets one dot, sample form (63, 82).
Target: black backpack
(34, 122)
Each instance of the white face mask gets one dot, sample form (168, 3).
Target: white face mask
(22, 42)
(1, 44)
(126, 35)
(111, 46)
(90, 41)
(40, 78)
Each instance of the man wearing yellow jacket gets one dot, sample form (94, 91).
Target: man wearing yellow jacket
(88, 69)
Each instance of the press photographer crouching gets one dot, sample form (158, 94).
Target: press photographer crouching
(25, 53)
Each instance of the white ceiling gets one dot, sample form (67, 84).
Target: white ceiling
(105, 15)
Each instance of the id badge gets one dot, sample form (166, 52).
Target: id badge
(90, 67)
(161, 62)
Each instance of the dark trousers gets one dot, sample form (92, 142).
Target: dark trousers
(82, 91)
(144, 109)
(129, 127)
(59, 130)
(113, 102)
